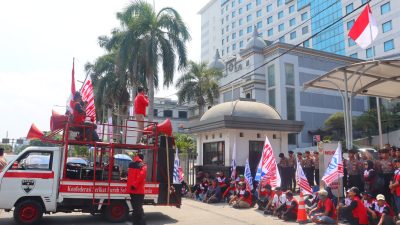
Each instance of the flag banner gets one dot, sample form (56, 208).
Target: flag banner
(176, 174)
(302, 181)
(365, 29)
(247, 176)
(335, 167)
(73, 90)
(233, 164)
(88, 96)
(268, 167)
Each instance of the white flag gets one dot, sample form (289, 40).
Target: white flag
(268, 167)
(335, 167)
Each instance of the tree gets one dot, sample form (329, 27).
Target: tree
(198, 84)
(185, 143)
(335, 124)
(146, 38)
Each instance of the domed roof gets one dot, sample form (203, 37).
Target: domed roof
(255, 41)
(242, 109)
(216, 63)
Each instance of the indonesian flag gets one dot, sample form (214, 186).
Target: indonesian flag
(88, 96)
(365, 29)
(233, 164)
(73, 90)
(335, 167)
(302, 180)
(268, 167)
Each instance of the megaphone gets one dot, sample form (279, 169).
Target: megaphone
(34, 133)
(164, 127)
(57, 121)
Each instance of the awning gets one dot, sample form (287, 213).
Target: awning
(379, 78)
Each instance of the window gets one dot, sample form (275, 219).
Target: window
(155, 112)
(223, 40)
(168, 113)
(368, 53)
(258, 2)
(306, 44)
(240, 33)
(269, 8)
(292, 22)
(281, 27)
(354, 55)
(240, 11)
(227, 50)
(349, 8)
(249, 29)
(233, 25)
(240, 1)
(269, 20)
(248, 6)
(282, 39)
(227, 28)
(226, 7)
(279, 2)
(259, 24)
(350, 24)
(233, 14)
(292, 139)
(214, 153)
(255, 152)
(291, 9)
(304, 30)
(240, 22)
(233, 4)
(289, 73)
(258, 13)
(271, 76)
(222, 21)
(304, 16)
(227, 18)
(233, 35)
(271, 97)
(270, 32)
(35, 161)
(351, 42)
(388, 45)
(290, 104)
(233, 47)
(293, 35)
(249, 18)
(387, 26)
(222, 52)
(182, 114)
(385, 8)
(241, 44)
(280, 14)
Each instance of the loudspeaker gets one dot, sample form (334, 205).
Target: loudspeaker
(163, 128)
(162, 175)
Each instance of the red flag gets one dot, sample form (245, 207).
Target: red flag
(365, 29)
(88, 96)
(73, 90)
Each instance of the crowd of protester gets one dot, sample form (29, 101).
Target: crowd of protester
(371, 186)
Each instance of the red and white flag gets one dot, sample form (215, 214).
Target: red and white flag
(365, 29)
(302, 180)
(88, 96)
(335, 168)
(73, 90)
(268, 167)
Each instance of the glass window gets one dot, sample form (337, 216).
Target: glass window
(351, 42)
(279, 2)
(271, 76)
(280, 14)
(269, 20)
(304, 30)
(222, 52)
(292, 139)
(248, 6)
(258, 2)
(240, 33)
(182, 114)
(289, 73)
(233, 25)
(226, 7)
(304, 16)
(258, 13)
(270, 32)
(222, 21)
(350, 24)
(241, 44)
(281, 27)
(35, 161)
(227, 28)
(349, 8)
(269, 8)
(282, 39)
(240, 1)
(368, 53)
(292, 22)
(290, 104)
(249, 29)
(388, 45)
(385, 8)
(306, 43)
(291, 9)
(240, 22)
(271, 97)
(240, 11)
(354, 55)
(293, 35)
(249, 17)
(233, 4)
(259, 24)
(223, 40)
(233, 47)
(233, 14)
(214, 153)
(227, 18)
(233, 35)
(167, 113)
(387, 26)
(227, 50)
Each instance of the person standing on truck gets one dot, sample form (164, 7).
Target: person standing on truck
(3, 161)
(141, 103)
(135, 186)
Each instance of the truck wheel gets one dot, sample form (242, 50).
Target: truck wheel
(28, 212)
(116, 212)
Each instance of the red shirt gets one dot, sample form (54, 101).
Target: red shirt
(329, 207)
(141, 102)
(397, 179)
(360, 212)
(136, 176)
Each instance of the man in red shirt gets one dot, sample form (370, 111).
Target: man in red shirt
(395, 186)
(356, 212)
(325, 212)
(135, 187)
(140, 104)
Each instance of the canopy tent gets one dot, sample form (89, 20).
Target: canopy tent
(378, 78)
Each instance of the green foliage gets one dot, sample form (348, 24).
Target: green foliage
(80, 151)
(185, 143)
(335, 124)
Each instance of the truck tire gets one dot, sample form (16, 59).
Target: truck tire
(116, 212)
(28, 212)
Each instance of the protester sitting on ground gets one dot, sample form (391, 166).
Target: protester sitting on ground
(230, 192)
(203, 188)
(265, 195)
(288, 211)
(311, 201)
(223, 182)
(325, 212)
(214, 193)
(381, 212)
(356, 212)
(278, 200)
(243, 198)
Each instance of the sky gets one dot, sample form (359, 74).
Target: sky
(38, 41)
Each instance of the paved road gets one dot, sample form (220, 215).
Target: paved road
(191, 212)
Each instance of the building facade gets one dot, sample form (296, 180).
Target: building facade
(227, 25)
(167, 108)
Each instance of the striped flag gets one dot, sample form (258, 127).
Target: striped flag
(88, 96)
(335, 167)
(302, 180)
(365, 29)
(233, 164)
(73, 90)
(268, 167)
(247, 176)
(177, 176)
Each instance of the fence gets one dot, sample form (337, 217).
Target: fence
(188, 163)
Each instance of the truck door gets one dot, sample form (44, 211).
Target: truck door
(31, 175)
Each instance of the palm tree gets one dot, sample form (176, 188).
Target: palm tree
(199, 84)
(146, 38)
